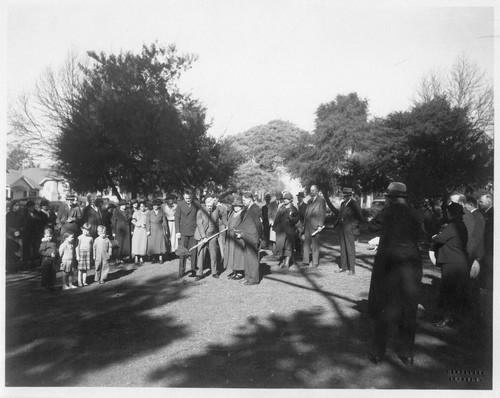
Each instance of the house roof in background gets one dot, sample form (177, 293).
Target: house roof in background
(34, 176)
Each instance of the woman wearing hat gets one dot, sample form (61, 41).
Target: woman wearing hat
(452, 258)
(15, 223)
(396, 274)
(140, 237)
(120, 227)
(234, 250)
(33, 232)
(157, 231)
(284, 226)
(47, 215)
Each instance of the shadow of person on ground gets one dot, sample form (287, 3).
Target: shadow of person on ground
(87, 337)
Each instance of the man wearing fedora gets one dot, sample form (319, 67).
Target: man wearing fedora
(314, 219)
(348, 222)
(69, 216)
(185, 225)
(396, 275)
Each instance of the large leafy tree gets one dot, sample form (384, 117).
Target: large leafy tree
(323, 158)
(260, 153)
(265, 143)
(130, 127)
(434, 148)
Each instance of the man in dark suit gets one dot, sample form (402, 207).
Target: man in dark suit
(185, 225)
(348, 222)
(92, 214)
(69, 217)
(250, 231)
(475, 248)
(223, 211)
(314, 219)
(265, 220)
(486, 206)
(301, 207)
(207, 220)
(396, 276)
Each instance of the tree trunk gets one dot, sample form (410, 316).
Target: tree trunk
(114, 190)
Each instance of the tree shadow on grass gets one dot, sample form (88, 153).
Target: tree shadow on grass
(324, 347)
(53, 338)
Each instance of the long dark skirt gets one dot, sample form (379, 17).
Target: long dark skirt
(454, 285)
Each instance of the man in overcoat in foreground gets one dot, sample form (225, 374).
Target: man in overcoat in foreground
(396, 276)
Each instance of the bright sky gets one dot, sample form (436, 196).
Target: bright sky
(261, 60)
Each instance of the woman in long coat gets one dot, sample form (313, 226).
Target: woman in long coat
(396, 276)
(139, 238)
(234, 249)
(157, 231)
(15, 223)
(120, 227)
(452, 258)
(284, 226)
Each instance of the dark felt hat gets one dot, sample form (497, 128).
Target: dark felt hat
(347, 191)
(396, 190)
(301, 195)
(157, 202)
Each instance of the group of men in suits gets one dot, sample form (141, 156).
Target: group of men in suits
(478, 219)
(199, 224)
(348, 219)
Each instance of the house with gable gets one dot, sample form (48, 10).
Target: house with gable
(35, 182)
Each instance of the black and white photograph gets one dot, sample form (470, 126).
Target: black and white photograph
(237, 197)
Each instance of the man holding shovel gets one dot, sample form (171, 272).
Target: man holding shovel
(207, 221)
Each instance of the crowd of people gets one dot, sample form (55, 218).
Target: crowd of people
(462, 245)
(229, 235)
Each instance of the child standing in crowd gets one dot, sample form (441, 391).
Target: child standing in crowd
(48, 252)
(84, 254)
(67, 253)
(102, 253)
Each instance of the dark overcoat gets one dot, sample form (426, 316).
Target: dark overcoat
(234, 249)
(284, 226)
(94, 217)
(185, 218)
(120, 227)
(397, 270)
